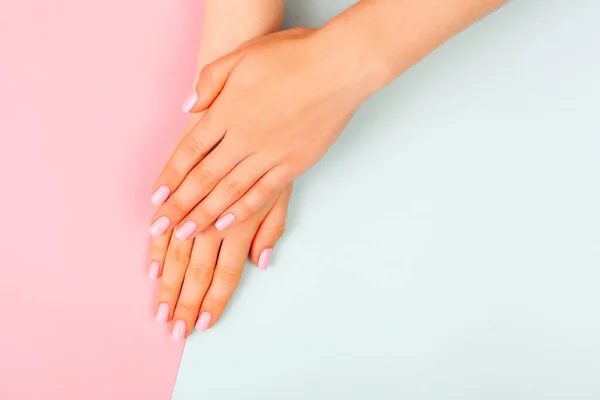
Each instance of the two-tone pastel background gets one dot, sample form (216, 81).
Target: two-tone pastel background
(459, 261)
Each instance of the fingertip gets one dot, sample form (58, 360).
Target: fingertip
(190, 101)
(160, 195)
(203, 322)
(225, 221)
(154, 270)
(264, 259)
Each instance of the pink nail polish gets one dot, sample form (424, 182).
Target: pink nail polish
(225, 221)
(186, 230)
(154, 270)
(190, 102)
(264, 259)
(162, 314)
(160, 195)
(178, 332)
(160, 226)
(203, 322)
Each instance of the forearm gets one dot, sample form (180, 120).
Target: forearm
(383, 38)
(229, 23)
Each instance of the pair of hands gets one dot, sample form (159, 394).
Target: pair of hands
(263, 115)
(199, 276)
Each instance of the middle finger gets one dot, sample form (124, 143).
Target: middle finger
(197, 184)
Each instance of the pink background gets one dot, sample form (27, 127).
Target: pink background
(89, 108)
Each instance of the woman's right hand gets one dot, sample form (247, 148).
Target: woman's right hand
(273, 108)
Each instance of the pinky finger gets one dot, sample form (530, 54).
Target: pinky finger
(270, 230)
(255, 199)
(157, 254)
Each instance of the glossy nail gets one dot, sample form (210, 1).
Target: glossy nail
(264, 259)
(186, 230)
(162, 314)
(160, 195)
(190, 102)
(225, 221)
(178, 332)
(154, 270)
(203, 322)
(160, 226)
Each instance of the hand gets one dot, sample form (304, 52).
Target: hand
(273, 108)
(200, 275)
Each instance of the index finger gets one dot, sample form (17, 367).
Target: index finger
(192, 149)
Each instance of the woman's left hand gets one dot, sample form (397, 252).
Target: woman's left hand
(199, 276)
(273, 108)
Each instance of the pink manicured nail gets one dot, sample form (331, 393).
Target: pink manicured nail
(178, 332)
(186, 230)
(190, 102)
(160, 226)
(160, 195)
(264, 259)
(154, 269)
(162, 314)
(203, 322)
(224, 221)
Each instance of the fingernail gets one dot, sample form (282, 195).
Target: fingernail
(154, 269)
(160, 226)
(186, 230)
(178, 332)
(224, 221)
(160, 195)
(162, 314)
(264, 259)
(190, 102)
(203, 322)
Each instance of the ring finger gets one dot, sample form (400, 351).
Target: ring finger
(197, 279)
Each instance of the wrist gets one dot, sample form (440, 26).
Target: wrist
(357, 62)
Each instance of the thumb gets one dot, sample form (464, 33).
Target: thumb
(270, 230)
(211, 81)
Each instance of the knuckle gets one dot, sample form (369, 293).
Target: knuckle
(275, 230)
(169, 289)
(177, 207)
(203, 217)
(234, 188)
(208, 75)
(244, 209)
(216, 300)
(184, 308)
(175, 173)
(194, 147)
(203, 177)
(158, 248)
(265, 190)
(229, 273)
(179, 255)
(199, 270)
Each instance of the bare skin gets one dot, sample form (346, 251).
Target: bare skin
(275, 105)
(199, 276)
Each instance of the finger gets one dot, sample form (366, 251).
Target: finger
(195, 284)
(157, 254)
(192, 149)
(230, 264)
(256, 198)
(200, 182)
(233, 186)
(176, 262)
(270, 230)
(211, 81)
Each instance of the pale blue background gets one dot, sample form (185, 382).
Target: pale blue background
(448, 246)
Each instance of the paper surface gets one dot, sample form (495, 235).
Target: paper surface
(89, 110)
(447, 247)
